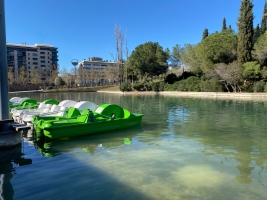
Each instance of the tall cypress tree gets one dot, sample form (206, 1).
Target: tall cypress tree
(263, 21)
(245, 32)
(257, 33)
(205, 33)
(224, 24)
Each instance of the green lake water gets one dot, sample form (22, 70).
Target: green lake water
(185, 148)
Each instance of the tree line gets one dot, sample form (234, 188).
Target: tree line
(221, 61)
(34, 76)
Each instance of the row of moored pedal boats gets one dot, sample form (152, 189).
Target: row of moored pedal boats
(69, 118)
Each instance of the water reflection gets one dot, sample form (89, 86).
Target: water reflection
(187, 149)
(7, 170)
(230, 129)
(90, 143)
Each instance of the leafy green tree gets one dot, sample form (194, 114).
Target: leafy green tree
(205, 34)
(132, 72)
(52, 74)
(263, 21)
(224, 24)
(260, 49)
(58, 81)
(149, 58)
(35, 77)
(252, 70)
(189, 58)
(245, 32)
(175, 56)
(11, 75)
(217, 48)
(22, 77)
(264, 73)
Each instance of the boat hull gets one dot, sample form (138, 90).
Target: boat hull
(78, 129)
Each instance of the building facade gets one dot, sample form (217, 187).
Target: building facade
(39, 56)
(97, 71)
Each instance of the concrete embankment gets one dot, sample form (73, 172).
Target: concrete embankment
(210, 95)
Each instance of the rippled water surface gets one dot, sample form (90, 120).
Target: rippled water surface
(185, 148)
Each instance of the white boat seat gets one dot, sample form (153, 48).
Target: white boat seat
(15, 99)
(85, 105)
(67, 103)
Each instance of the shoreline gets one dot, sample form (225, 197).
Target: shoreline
(208, 95)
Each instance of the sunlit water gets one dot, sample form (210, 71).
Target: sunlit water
(185, 148)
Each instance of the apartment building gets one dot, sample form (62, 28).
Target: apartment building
(41, 56)
(93, 70)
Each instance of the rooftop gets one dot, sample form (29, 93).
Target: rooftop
(32, 46)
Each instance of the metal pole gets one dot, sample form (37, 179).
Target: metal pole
(4, 105)
(8, 138)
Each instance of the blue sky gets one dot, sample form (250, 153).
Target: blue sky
(85, 28)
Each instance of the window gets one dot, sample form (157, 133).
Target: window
(35, 63)
(42, 61)
(34, 54)
(35, 58)
(10, 53)
(48, 61)
(42, 57)
(29, 63)
(42, 52)
(96, 64)
(42, 65)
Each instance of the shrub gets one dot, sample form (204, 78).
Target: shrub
(138, 86)
(126, 87)
(259, 86)
(192, 84)
(265, 87)
(248, 87)
(161, 86)
(211, 85)
(49, 88)
(148, 86)
(169, 87)
(155, 86)
(185, 75)
(179, 86)
(171, 78)
(251, 70)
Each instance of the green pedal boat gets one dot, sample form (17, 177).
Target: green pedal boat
(106, 117)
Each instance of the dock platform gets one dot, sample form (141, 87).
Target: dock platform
(15, 125)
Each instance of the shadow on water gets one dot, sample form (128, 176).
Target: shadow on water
(54, 179)
(7, 170)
